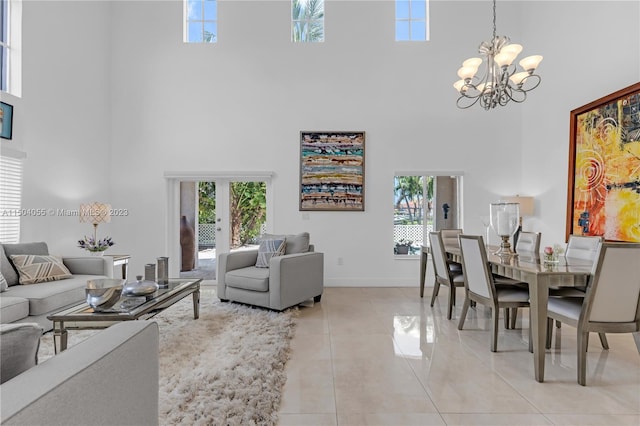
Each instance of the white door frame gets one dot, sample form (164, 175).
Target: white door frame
(173, 179)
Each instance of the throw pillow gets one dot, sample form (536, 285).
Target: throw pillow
(38, 269)
(3, 283)
(267, 250)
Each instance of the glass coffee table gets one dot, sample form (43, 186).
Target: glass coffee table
(128, 308)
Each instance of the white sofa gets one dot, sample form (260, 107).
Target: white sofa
(112, 378)
(34, 302)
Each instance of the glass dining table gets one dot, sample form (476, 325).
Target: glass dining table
(540, 276)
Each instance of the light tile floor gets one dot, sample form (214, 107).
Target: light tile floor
(383, 356)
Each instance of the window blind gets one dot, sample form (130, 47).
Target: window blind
(10, 198)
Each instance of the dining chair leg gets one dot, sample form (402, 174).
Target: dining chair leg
(434, 294)
(603, 341)
(583, 342)
(463, 314)
(530, 334)
(514, 317)
(495, 313)
(549, 332)
(506, 318)
(452, 301)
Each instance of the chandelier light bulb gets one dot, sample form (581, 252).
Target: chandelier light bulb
(519, 77)
(459, 85)
(504, 59)
(530, 63)
(467, 72)
(472, 62)
(512, 48)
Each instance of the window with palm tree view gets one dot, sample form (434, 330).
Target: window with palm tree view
(423, 203)
(307, 21)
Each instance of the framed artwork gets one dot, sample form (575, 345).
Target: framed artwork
(332, 171)
(604, 167)
(6, 121)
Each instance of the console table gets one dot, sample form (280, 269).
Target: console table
(121, 260)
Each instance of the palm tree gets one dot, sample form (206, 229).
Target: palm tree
(307, 17)
(409, 191)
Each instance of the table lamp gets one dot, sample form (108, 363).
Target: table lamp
(526, 209)
(504, 221)
(95, 213)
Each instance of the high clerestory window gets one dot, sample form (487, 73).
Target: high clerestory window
(10, 41)
(307, 21)
(411, 20)
(200, 21)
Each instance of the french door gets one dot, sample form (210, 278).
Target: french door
(233, 220)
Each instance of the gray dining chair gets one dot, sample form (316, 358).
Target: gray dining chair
(450, 239)
(480, 287)
(611, 303)
(579, 247)
(445, 272)
(528, 245)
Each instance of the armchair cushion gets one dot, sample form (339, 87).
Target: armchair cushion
(269, 249)
(251, 278)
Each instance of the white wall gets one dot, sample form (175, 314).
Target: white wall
(62, 119)
(591, 49)
(240, 104)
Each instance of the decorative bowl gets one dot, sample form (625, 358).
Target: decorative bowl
(139, 287)
(103, 293)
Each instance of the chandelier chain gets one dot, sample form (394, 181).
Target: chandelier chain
(494, 20)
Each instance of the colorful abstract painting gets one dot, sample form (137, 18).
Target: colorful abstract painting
(332, 171)
(604, 173)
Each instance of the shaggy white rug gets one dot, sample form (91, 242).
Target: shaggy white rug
(226, 368)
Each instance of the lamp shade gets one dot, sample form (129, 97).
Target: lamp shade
(95, 213)
(526, 204)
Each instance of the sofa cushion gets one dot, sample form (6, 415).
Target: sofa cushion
(296, 243)
(19, 345)
(35, 269)
(269, 249)
(39, 248)
(251, 278)
(7, 269)
(3, 283)
(53, 295)
(13, 308)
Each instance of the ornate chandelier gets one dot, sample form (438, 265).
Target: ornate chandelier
(500, 83)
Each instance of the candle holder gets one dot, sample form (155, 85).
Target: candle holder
(504, 221)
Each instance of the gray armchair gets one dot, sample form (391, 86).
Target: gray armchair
(290, 279)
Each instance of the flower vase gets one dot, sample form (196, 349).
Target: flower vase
(96, 253)
(550, 258)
